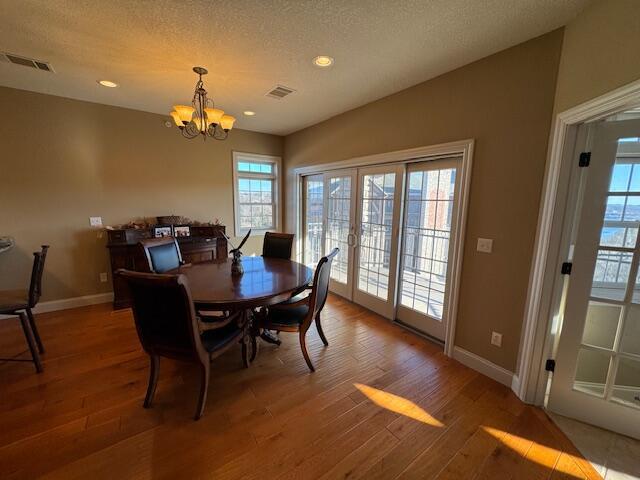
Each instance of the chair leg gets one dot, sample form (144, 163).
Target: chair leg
(34, 328)
(28, 333)
(154, 371)
(320, 331)
(204, 387)
(303, 346)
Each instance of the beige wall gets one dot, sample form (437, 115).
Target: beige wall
(600, 52)
(62, 161)
(505, 103)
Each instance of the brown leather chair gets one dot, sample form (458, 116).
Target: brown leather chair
(163, 254)
(22, 302)
(168, 327)
(296, 314)
(277, 245)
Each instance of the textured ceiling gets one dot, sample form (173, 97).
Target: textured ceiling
(249, 46)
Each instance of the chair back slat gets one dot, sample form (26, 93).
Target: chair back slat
(163, 254)
(164, 315)
(277, 245)
(35, 286)
(320, 289)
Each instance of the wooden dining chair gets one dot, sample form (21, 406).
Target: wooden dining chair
(163, 254)
(22, 302)
(296, 314)
(277, 245)
(167, 326)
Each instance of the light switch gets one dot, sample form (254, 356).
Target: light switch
(485, 245)
(95, 221)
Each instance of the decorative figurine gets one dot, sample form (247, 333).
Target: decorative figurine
(236, 264)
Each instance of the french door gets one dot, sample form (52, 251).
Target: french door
(379, 201)
(360, 211)
(428, 229)
(340, 188)
(597, 374)
(314, 215)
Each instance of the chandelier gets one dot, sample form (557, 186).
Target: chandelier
(201, 118)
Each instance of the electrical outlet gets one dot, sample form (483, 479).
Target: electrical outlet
(485, 245)
(95, 221)
(496, 339)
(103, 277)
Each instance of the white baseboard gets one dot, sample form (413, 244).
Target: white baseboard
(515, 384)
(484, 366)
(65, 303)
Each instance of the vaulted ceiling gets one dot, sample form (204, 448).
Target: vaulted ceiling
(149, 47)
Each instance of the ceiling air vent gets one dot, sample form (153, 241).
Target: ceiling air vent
(26, 62)
(279, 92)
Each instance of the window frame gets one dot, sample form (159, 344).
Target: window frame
(275, 176)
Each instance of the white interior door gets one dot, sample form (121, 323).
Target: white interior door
(339, 190)
(377, 233)
(427, 241)
(597, 375)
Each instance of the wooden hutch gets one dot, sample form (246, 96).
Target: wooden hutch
(206, 243)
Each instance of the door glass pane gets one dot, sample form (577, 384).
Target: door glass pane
(618, 236)
(427, 231)
(611, 274)
(601, 324)
(314, 196)
(591, 372)
(378, 196)
(631, 335)
(626, 387)
(338, 225)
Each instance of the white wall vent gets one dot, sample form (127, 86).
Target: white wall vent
(26, 62)
(278, 92)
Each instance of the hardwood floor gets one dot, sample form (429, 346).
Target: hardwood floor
(382, 404)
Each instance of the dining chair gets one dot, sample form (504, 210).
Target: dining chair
(167, 326)
(163, 254)
(22, 302)
(277, 245)
(296, 314)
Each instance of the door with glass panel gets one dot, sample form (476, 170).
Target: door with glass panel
(377, 233)
(597, 374)
(313, 219)
(339, 221)
(427, 239)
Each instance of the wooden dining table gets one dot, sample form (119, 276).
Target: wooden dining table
(265, 281)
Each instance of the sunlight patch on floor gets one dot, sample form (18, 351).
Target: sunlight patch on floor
(397, 404)
(545, 456)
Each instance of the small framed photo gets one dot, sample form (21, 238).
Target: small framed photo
(162, 231)
(182, 231)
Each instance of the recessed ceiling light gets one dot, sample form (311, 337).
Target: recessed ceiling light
(323, 61)
(108, 83)
(249, 113)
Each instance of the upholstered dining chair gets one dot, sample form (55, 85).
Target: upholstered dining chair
(167, 326)
(277, 245)
(296, 314)
(163, 254)
(22, 302)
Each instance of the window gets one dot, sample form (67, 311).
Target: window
(256, 192)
